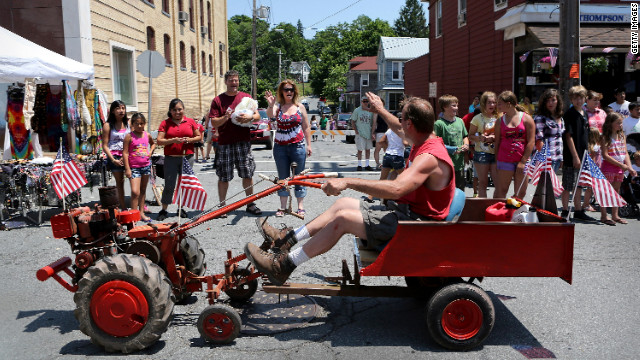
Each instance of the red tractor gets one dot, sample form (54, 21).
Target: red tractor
(127, 278)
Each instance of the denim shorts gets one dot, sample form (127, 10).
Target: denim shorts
(113, 167)
(507, 166)
(395, 162)
(484, 158)
(139, 172)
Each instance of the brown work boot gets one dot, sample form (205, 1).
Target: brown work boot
(283, 239)
(277, 266)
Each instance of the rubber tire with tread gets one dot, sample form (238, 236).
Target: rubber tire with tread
(194, 258)
(225, 311)
(447, 295)
(247, 291)
(149, 278)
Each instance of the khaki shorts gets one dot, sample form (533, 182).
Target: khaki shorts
(363, 144)
(380, 224)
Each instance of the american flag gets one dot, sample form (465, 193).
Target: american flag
(190, 192)
(553, 53)
(65, 175)
(542, 162)
(590, 175)
(524, 56)
(608, 49)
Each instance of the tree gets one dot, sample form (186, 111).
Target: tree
(412, 21)
(300, 28)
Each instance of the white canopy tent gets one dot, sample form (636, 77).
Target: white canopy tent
(21, 58)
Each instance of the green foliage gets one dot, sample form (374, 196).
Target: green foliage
(412, 21)
(594, 65)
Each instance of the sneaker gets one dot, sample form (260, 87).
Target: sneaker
(163, 214)
(182, 214)
(564, 214)
(277, 266)
(580, 214)
(368, 168)
(282, 239)
(359, 168)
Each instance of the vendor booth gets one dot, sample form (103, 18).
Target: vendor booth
(46, 99)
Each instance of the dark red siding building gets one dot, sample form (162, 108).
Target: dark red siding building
(476, 46)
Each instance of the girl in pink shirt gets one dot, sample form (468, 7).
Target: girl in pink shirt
(137, 150)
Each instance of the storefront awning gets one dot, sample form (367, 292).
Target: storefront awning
(589, 36)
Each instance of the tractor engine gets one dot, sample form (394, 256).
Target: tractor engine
(95, 233)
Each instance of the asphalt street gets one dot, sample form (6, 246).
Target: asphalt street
(596, 317)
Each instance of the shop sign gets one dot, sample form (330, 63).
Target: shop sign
(605, 18)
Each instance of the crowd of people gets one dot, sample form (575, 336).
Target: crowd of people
(496, 139)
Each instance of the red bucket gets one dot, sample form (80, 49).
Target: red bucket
(499, 212)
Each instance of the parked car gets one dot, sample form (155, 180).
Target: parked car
(344, 123)
(305, 102)
(261, 132)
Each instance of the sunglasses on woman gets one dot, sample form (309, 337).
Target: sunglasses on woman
(287, 90)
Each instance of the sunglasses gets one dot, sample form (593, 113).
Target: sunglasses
(287, 90)
(365, 101)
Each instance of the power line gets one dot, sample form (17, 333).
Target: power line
(334, 14)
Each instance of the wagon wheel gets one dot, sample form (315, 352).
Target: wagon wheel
(427, 286)
(460, 316)
(194, 259)
(245, 291)
(124, 303)
(219, 324)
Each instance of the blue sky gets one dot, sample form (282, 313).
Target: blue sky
(320, 14)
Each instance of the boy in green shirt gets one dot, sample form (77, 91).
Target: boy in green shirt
(454, 134)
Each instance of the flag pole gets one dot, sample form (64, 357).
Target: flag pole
(575, 187)
(544, 188)
(64, 203)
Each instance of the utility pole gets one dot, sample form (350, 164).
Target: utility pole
(254, 87)
(279, 66)
(569, 46)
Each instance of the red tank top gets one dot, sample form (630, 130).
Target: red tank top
(425, 202)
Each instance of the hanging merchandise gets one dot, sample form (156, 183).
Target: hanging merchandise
(104, 106)
(52, 112)
(39, 118)
(29, 101)
(20, 137)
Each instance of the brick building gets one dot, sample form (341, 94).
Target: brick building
(110, 34)
(476, 46)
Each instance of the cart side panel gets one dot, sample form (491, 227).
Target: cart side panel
(476, 249)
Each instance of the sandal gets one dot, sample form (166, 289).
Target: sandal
(301, 212)
(608, 222)
(280, 213)
(620, 221)
(253, 209)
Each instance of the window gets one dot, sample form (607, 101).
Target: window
(364, 79)
(397, 70)
(462, 12)
(204, 63)
(167, 49)
(165, 6)
(210, 65)
(209, 21)
(183, 56)
(151, 38)
(201, 14)
(123, 70)
(180, 5)
(193, 59)
(438, 18)
(394, 101)
(499, 4)
(191, 15)
(221, 48)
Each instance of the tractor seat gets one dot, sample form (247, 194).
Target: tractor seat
(366, 256)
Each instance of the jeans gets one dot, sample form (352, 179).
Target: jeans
(284, 156)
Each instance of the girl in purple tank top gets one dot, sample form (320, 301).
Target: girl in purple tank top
(137, 149)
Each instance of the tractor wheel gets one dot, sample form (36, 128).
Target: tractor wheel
(124, 303)
(194, 261)
(245, 291)
(460, 316)
(219, 324)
